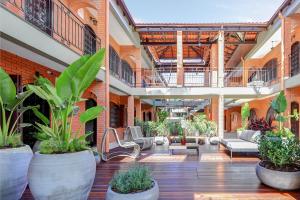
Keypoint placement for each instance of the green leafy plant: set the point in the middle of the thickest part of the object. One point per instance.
(162, 128)
(57, 135)
(10, 102)
(190, 127)
(245, 112)
(211, 128)
(162, 115)
(136, 179)
(200, 123)
(279, 105)
(280, 153)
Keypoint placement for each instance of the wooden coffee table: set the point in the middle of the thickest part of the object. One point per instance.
(178, 146)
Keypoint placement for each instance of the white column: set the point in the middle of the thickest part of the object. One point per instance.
(221, 84)
(180, 72)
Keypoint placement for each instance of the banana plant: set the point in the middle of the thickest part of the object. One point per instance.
(10, 102)
(62, 99)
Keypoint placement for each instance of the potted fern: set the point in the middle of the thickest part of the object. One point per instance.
(134, 184)
(280, 152)
(65, 167)
(14, 156)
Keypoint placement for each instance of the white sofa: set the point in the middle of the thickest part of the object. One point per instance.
(247, 142)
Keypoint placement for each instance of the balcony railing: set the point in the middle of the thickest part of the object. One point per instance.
(55, 19)
(205, 77)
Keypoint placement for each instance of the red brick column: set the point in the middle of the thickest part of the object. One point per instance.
(138, 108)
(130, 111)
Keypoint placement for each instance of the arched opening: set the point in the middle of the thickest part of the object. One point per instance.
(295, 58)
(89, 40)
(91, 126)
(295, 122)
(30, 117)
(270, 70)
(39, 13)
(149, 116)
(270, 117)
(253, 115)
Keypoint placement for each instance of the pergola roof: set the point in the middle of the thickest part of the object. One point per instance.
(196, 44)
(159, 39)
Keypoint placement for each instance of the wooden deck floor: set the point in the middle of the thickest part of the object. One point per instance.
(209, 176)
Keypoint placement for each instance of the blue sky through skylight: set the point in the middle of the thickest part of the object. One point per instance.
(202, 11)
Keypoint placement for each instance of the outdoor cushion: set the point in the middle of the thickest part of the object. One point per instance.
(226, 141)
(243, 146)
(249, 135)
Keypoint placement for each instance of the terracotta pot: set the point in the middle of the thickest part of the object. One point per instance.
(183, 141)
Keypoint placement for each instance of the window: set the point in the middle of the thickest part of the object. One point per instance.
(117, 115)
(89, 40)
(127, 73)
(270, 70)
(295, 59)
(114, 62)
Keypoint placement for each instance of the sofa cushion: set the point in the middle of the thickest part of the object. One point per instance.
(226, 141)
(242, 146)
(249, 135)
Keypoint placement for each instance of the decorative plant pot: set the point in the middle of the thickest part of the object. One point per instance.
(183, 141)
(278, 179)
(62, 176)
(14, 164)
(159, 140)
(151, 194)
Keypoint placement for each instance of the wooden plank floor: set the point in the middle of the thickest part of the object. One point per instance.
(184, 175)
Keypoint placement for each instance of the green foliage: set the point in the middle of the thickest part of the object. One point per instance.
(162, 115)
(190, 127)
(279, 151)
(162, 128)
(211, 128)
(245, 112)
(10, 101)
(58, 137)
(136, 179)
(200, 122)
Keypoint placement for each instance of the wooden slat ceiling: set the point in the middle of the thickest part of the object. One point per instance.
(196, 45)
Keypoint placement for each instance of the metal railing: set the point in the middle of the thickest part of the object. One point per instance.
(56, 20)
(206, 77)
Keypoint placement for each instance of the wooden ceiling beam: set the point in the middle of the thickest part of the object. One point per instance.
(166, 43)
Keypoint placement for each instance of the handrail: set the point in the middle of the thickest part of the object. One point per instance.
(55, 19)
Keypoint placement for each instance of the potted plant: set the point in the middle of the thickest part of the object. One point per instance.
(14, 156)
(181, 135)
(65, 167)
(134, 184)
(280, 152)
(245, 112)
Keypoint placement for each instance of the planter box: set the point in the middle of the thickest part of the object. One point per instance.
(278, 179)
(62, 176)
(14, 164)
(151, 194)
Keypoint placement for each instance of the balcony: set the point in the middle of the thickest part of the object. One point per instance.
(206, 77)
(53, 18)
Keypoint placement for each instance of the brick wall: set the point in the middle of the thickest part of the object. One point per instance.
(16, 65)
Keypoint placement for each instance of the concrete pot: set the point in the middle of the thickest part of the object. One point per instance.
(152, 194)
(278, 179)
(62, 176)
(14, 164)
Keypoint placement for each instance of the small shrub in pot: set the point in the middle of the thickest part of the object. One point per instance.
(135, 184)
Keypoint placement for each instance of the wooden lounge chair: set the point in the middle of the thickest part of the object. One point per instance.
(124, 145)
(134, 133)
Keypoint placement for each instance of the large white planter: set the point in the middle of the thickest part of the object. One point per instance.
(278, 179)
(62, 176)
(14, 163)
(151, 194)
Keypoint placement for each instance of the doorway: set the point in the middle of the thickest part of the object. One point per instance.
(91, 126)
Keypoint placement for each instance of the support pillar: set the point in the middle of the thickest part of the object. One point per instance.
(102, 31)
(221, 116)
(221, 84)
(130, 111)
(180, 70)
(214, 65)
(138, 109)
(245, 73)
(221, 59)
